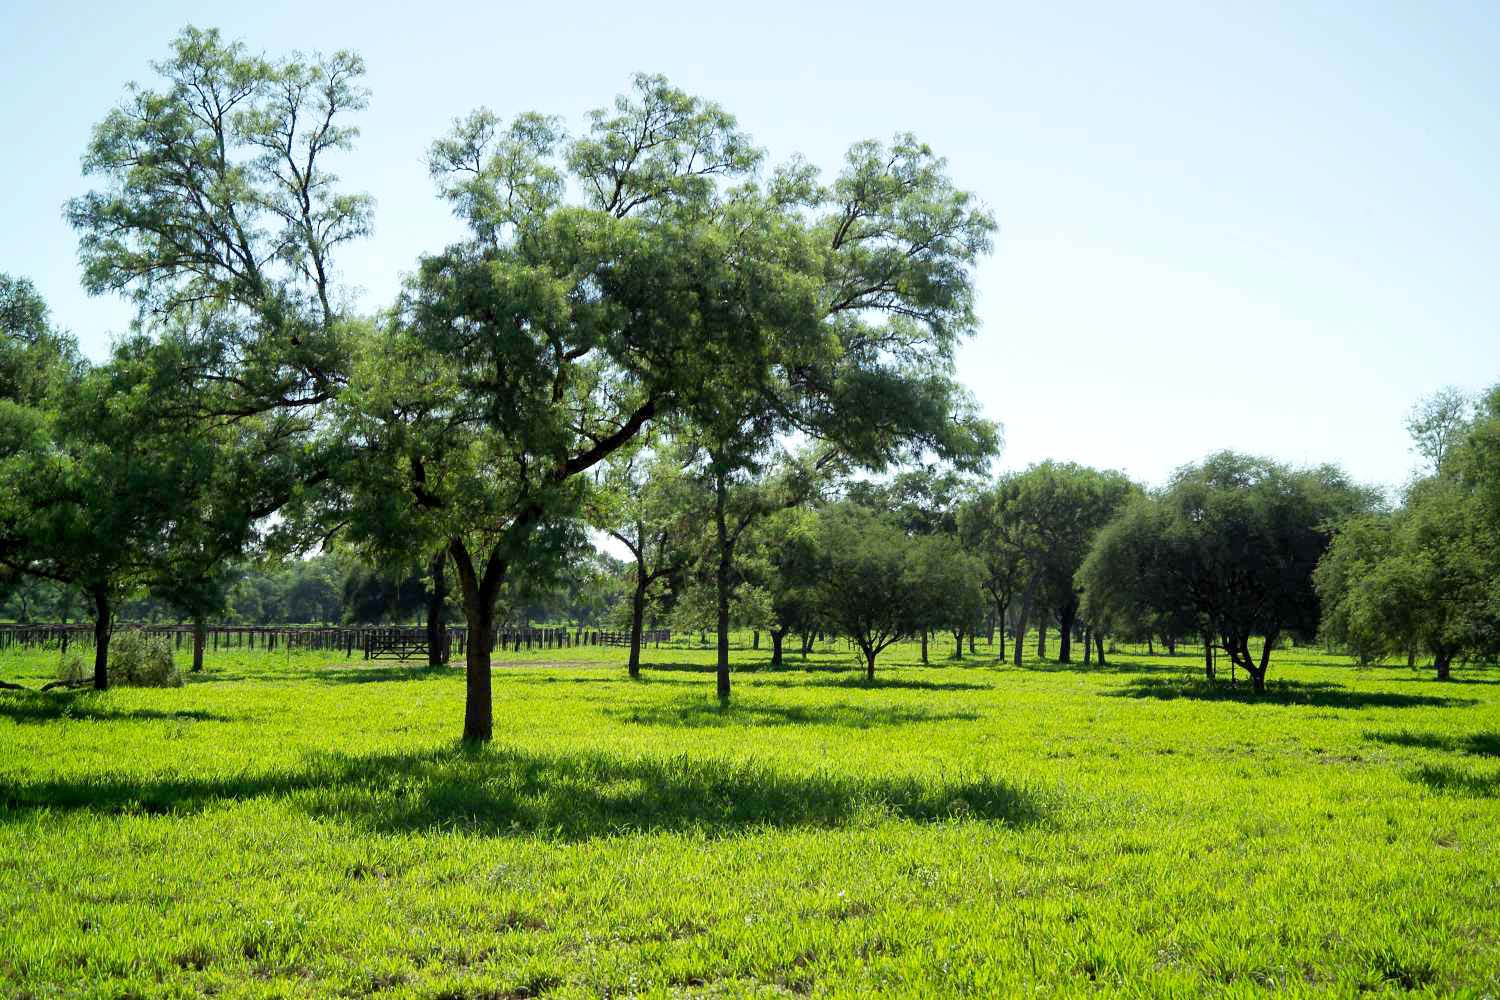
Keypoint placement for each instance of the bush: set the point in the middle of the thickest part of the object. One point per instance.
(72, 670)
(139, 660)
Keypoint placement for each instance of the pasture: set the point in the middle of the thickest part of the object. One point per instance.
(287, 826)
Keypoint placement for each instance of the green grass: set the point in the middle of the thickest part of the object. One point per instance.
(284, 826)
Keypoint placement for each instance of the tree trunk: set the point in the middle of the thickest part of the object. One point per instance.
(637, 619)
(1088, 646)
(101, 639)
(1041, 639)
(200, 637)
(1442, 662)
(437, 626)
(958, 644)
(1066, 616)
(721, 580)
(924, 645)
(1411, 657)
(870, 664)
(777, 635)
(1150, 649)
(1208, 658)
(479, 724)
(1099, 646)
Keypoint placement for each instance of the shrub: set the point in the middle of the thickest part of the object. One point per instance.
(71, 668)
(139, 660)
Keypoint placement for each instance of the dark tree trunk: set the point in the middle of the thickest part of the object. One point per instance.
(1411, 657)
(777, 635)
(1442, 663)
(102, 622)
(1041, 639)
(958, 644)
(1088, 647)
(1150, 649)
(200, 637)
(870, 664)
(721, 581)
(479, 594)
(437, 600)
(924, 645)
(1208, 658)
(1099, 647)
(1066, 616)
(637, 619)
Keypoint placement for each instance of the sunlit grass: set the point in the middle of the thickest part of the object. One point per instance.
(287, 826)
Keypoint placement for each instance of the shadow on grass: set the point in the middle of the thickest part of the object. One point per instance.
(1475, 744)
(705, 714)
(1453, 780)
(1280, 692)
(856, 682)
(51, 707)
(1117, 666)
(496, 791)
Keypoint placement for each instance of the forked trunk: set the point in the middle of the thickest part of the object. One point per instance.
(870, 663)
(777, 635)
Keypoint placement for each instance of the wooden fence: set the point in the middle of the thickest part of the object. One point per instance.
(371, 641)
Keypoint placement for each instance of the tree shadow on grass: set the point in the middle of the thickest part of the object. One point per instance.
(1475, 744)
(856, 682)
(1452, 780)
(705, 714)
(570, 797)
(50, 707)
(1318, 694)
(1111, 667)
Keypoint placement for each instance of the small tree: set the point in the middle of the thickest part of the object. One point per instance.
(865, 584)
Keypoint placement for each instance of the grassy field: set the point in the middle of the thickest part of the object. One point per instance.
(287, 826)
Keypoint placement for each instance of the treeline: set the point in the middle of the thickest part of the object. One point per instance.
(337, 588)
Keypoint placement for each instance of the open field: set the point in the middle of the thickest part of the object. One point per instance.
(286, 827)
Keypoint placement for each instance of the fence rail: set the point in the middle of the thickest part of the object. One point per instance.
(371, 641)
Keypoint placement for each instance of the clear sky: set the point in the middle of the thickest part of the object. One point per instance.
(1256, 226)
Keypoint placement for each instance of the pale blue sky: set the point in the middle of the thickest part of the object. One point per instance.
(1259, 226)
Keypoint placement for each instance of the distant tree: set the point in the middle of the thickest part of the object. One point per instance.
(993, 532)
(1058, 509)
(1421, 578)
(865, 587)
(1237, 539)
(943, 587)
(1436, 422)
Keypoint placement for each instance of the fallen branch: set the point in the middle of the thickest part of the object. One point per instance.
(71, 685)
(8, 686)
